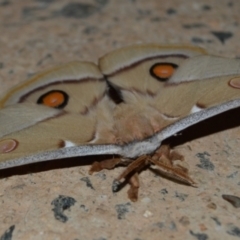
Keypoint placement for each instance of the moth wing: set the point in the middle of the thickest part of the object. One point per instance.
(56, 110)
(160, 88)
(12, 119)
(207, 67)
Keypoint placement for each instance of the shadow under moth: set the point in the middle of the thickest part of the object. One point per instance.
(125, 106)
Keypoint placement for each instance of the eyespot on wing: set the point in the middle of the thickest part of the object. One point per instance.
(55, 99)
(162, 71)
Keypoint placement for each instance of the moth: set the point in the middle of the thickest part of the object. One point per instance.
(124, 107)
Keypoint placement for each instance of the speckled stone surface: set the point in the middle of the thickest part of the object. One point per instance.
(59, 200)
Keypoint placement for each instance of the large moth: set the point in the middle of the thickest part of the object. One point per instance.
(125, 106)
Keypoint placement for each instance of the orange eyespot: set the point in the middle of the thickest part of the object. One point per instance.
(54, 99)
(8, 145)
(163, 71)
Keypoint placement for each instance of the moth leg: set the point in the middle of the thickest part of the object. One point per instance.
(134, 186)
(105, 164)
(169, 153)
(174, 157)
(135, 166)
(164, 163)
